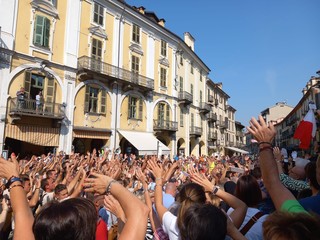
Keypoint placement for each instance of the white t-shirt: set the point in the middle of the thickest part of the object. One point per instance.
(255, 232)
(170, 226)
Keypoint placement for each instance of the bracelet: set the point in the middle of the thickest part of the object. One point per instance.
(265, 148)
(108, 189)
(17, 185)
(264, 143)
(12, 180)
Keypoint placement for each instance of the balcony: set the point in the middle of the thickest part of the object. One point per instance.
(165, 125)
(27, 107)
(204, 107)
(185, 98)
(212, 117)
(90, 65)
(195, 131)
(213, 135)
(223, 124)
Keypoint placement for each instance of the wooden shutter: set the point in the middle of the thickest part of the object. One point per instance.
(46, 31)
(27, 83)
(140, 108)
(103, 101)
(167, 112)
(38, 30)
(87, 99)
(49, 95)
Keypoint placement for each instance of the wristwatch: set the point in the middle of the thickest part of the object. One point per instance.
(215, 190)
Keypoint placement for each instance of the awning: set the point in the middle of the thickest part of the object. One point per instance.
(92, 133)
(36, 135)
(237, 150)
(145, 143)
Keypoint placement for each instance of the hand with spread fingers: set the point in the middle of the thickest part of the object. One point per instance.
(277, 153)
(200, 179)
(97, 183)
(8, 169)
(155, 168)
(261, 131)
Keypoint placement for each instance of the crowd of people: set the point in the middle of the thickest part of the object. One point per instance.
(109, 195)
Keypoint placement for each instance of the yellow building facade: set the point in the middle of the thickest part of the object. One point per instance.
(111, 76)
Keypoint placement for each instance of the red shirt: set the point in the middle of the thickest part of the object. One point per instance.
(102, 230)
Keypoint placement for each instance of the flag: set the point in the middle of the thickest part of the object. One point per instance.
(306, 130)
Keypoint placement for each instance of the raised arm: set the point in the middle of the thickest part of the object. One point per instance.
(23, 216)
(265, 134)
(135, 211)
(240, 208)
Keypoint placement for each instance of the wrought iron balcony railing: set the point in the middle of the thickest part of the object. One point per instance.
(29, 107)
(212, 116)
(213, 135)
(204, 107)
(165, 125)
(92, 64)
(185, 97)
(196, 131)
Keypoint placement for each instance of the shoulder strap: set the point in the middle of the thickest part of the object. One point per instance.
(250, 223)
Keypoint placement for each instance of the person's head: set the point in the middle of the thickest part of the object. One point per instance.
(51, 174)
(171, 189)
(73, 219)
(61, 192)
(230, 187)
(189, 195)
(248, 190)
(47, 184)
(25, 182)
(297, 173)
(311, 175)
(204, 221)
(256, 172)
(282, 225)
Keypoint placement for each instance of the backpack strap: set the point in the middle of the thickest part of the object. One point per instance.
(250, 223)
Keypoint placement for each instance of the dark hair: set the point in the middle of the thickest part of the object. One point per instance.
(72, 219)
(291, 226)
(202, 222)
(248, 190)
(311, 174)
(24, 177)
(256, 172)
(60, 187)
(189, 195)
(44, 183)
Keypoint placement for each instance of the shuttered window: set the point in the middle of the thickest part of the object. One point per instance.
(135, 108)
(41, 31)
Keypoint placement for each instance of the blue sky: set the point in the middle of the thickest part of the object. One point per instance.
(263, 51)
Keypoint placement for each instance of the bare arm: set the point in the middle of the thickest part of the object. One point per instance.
(23, 216)
(135, 211)
(264, 133)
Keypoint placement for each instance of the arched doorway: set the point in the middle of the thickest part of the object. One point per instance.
(181, 145)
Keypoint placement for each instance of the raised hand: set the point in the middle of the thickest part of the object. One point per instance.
(98, 183)
(261, 131)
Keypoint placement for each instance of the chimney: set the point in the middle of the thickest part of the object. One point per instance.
(161, 22)
(141, 9)
(189, 40)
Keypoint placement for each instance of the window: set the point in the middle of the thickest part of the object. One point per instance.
(92, 102)
(191, 90)
(181, 84)
(200, 96)
(96, 49)
(163, 77)
(181, 60)
(135, 108)
(181, 117)
(192, 119)
(98, 14)
(191, 68)
(41, 31)
(135, 64)
(201, 76)
(163, 48)
(136, 33)
(163, 113)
